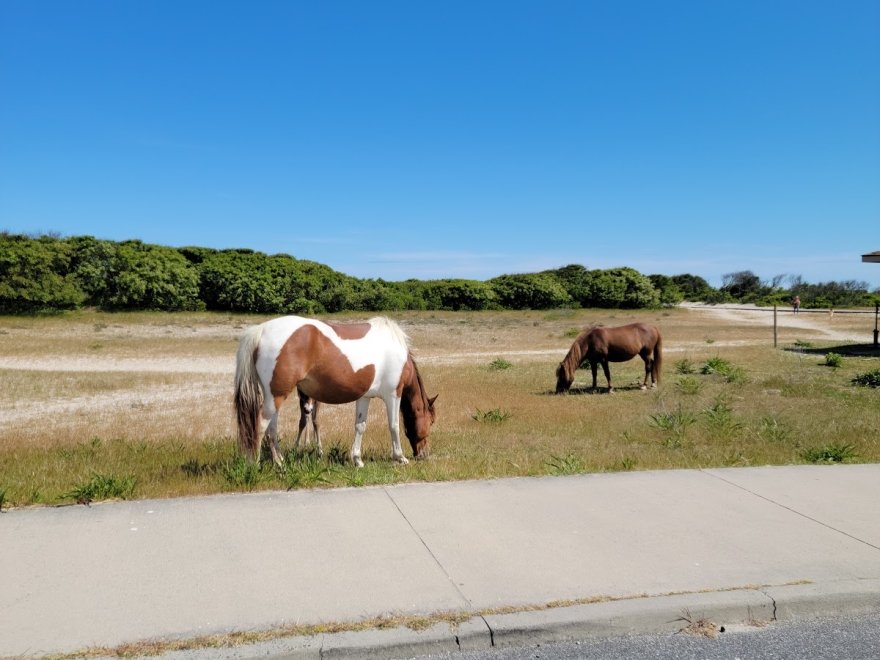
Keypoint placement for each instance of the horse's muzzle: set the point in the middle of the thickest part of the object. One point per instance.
(420, 449)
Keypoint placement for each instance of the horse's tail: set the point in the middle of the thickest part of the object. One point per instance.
(248, 393)
(658, 359)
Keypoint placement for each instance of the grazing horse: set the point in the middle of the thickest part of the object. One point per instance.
(604, 345)
(308, 416)
(330, 363)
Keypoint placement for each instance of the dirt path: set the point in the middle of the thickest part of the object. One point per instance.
(223, 367)
(821, 322)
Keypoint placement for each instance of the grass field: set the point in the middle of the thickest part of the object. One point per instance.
(96, 406)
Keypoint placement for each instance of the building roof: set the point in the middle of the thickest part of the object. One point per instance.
(871, 257)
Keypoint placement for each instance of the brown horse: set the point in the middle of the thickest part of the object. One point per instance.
(604, 345)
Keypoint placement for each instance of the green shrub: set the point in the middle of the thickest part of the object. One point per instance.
(833, 360)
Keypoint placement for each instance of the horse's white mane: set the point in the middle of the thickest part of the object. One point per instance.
(393, 329)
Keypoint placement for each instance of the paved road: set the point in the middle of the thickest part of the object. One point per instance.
(822, 638)
(729, 545)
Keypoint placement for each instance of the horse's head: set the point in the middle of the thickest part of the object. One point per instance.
(418, 427)
(563, 380)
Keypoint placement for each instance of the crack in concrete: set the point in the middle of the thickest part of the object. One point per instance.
(788, 508)
(430, 552)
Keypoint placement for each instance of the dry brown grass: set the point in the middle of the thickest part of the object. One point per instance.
(149, 396)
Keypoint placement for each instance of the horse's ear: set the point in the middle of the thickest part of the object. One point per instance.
(432, 400)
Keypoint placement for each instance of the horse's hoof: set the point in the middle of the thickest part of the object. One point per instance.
(643, 387)
(358, 463)
(403, 460)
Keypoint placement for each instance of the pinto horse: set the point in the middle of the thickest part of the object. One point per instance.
(329, 363)
(619, 344)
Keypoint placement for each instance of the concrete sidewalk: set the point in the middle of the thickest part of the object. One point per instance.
(731, 545)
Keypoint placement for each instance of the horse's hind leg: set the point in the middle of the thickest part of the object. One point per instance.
(649, 365)
(314, 419)
(305, 413)
(272, 439)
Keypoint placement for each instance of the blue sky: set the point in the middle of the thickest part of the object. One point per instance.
(453, 138)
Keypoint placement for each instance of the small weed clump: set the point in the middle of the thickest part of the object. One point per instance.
(721, 367)
(674, 424)
(102, 487)
(719, 418)
(716, 365)
(499, 364)
(685, 366)
(494, 415)
(569, 464)
(869, 379)
(689, 385)
(833, 453)
(306, 470)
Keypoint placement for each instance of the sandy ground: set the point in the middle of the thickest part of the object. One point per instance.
(214, 374)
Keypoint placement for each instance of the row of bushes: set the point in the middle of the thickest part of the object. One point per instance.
(52, 273)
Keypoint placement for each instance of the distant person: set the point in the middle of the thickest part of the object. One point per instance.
(796, 304)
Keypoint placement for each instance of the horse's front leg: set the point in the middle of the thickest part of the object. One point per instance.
(594, 367)
(362, 407)
(392, 404)
(607, 371)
